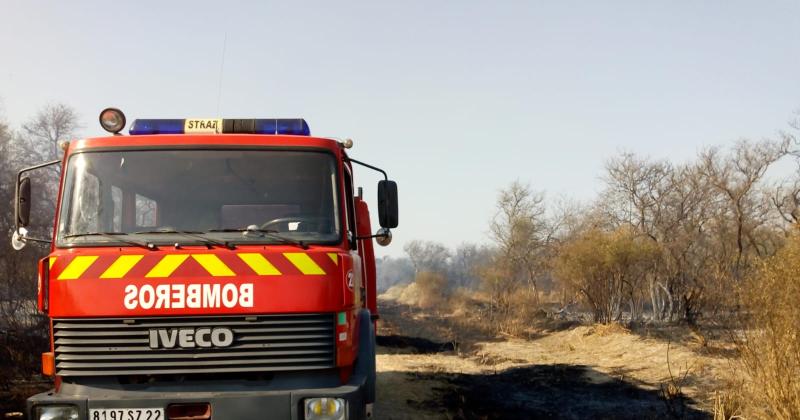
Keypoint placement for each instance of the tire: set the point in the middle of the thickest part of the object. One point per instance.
(366, 355)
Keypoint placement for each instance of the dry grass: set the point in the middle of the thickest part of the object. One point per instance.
(770, 343)
(727, 406)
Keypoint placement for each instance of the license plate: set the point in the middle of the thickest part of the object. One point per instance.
(126, 414)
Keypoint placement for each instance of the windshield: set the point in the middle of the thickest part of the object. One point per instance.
(254, 196)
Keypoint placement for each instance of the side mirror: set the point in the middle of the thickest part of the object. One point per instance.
(387, 204)
(383, 237)
(24, 202)
(19, 239)
(22, 208)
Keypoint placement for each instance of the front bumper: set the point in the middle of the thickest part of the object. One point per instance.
(234, 404)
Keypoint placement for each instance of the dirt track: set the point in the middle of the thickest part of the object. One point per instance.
(426, 370)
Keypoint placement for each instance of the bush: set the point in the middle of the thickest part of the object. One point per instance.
(607, 269)
(771, 345)
(432, 289)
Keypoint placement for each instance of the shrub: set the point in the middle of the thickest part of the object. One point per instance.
(607, 268)
(771, 345)
(432, 289)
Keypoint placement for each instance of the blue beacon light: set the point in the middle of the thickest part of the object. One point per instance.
(158, 126)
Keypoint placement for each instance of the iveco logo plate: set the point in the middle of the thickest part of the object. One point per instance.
(189, 338)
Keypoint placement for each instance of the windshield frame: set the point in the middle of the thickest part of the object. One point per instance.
(167, 239)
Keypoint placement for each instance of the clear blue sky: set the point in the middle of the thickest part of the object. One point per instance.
(455, 99)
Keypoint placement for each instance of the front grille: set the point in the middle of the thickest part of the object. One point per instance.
(264, 343)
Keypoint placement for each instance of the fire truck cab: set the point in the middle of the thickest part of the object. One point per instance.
(208, 269)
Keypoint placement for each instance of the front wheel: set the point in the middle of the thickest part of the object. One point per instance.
(366, 355)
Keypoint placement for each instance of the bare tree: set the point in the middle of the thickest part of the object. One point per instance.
(518, 229)
(466, 262)
(39, 141)
(636, 188)
(51, 125)
(427, 256)
(785, 196)
(736, 176)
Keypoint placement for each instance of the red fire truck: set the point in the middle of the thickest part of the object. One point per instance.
(208, 268)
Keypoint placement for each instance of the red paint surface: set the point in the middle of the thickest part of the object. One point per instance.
(292, 291)
(367, 255)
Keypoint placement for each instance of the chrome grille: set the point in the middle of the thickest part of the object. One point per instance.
(106, 347)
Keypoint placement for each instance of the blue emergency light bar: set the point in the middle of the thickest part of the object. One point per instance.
(286, 126)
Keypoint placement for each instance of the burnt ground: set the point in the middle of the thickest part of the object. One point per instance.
(415, 344)
(553, 391)
(427, 378)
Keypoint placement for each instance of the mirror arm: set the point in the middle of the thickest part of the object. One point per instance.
(16, 194)
(377, 235)
(44, 241)
(39, 166)
(374, 168)
(386, 203)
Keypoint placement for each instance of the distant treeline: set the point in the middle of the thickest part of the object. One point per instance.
(663, 241)
(460, 266)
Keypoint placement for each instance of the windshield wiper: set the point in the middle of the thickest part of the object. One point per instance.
(115, 236)
(266, 232)
(208, 242)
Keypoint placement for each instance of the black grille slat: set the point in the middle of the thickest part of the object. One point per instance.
(99, 333)
(71, 324)
(162, 355)
(87, 372)
(101, 340)
(283, 337)
(108, 347)
(117, 349)
(270, 330)
(172, 363)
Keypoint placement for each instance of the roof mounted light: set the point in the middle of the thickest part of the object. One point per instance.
(284, 126)
(159, 126)
(112, 120)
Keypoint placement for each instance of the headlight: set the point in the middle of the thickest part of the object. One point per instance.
(325, 408)
(56, 412)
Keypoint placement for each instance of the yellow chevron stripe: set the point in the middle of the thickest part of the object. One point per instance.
(51, 261)
(213, 265)
(259, 264)
(334, 257)
(77, 267)
(167, 265)
(303, 262)
(121, 266)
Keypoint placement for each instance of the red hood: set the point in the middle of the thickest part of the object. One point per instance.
(119, 282)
